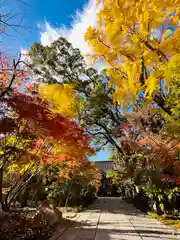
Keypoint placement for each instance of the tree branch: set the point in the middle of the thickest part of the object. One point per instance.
(109, 138)
(15, 65)
(104, 144)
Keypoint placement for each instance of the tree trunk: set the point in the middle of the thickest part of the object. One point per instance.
(3, 204)
(1, 186)
(68, 196)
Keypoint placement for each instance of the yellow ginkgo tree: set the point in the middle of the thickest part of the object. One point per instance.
(61, 97)
(136, 40)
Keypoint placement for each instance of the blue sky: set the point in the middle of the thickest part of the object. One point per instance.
(36, 12)
(45, 21)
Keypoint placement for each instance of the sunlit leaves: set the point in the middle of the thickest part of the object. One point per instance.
(128, 31)
(172, 76)
(50, 130)
(172, 72)
(62, 98)
(151, 85)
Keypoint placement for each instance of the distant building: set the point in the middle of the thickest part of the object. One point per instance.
(106, 187)
(105, 166)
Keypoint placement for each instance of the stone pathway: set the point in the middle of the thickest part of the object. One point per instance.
(113, 219)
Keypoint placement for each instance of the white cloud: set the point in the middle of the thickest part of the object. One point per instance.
(74, 34)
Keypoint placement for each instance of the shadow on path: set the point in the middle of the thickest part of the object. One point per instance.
(113, 219)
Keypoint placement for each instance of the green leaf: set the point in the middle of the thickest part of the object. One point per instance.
(1, 152)
(161, 206)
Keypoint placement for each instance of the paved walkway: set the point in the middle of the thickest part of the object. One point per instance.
(113, 219)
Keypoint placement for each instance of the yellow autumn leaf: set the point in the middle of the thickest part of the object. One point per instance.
(62, 98)
(132, 29)
(151, 85)
(172, 71)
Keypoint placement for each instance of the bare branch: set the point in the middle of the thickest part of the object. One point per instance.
(7, 89)
(103, 145)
